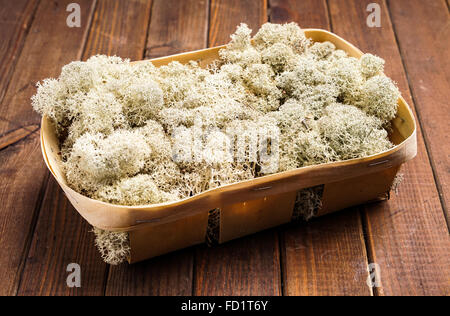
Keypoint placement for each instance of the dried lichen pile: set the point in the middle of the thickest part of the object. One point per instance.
(125, 129)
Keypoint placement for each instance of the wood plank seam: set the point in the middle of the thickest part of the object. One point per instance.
(208, 25)
(282, 260)
(419, 120)
(85, 37)
(370, 254)
(146, 45)
(105, 280)
(330, 20)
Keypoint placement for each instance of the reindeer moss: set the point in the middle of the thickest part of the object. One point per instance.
(126, 129)
(114, 247)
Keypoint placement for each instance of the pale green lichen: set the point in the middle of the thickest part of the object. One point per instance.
(371, 65)
(351, 133)
(379, 97)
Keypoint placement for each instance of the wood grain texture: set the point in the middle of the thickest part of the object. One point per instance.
(177, 26)
(21, 189)
(247, 266)
(307, 13)
(170, 274)
(328, 256)
(16, 135)
(166, 275)
(408, 235)
(119, 28)
(226, 15)
(15, 20)
(49, 45)
(61, 237)
(426, 54)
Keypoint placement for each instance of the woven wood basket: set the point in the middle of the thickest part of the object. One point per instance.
(249, 206)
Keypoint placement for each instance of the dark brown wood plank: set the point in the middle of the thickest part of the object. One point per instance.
(166, 275)
(15, 20)
(62, 236)
(49, 45)
(246, 266)
(23, 175)
(226, 15)
(328, 255)
(177, 26)
(407, 236)
(170, 274)
(308, 14)
(250, 265)
(16, 135)
(426, 53)
(119, 28)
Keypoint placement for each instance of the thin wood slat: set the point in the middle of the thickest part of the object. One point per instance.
(170, 274)
(407, 236)
(62, 236)
(327, 256)
(23, 173)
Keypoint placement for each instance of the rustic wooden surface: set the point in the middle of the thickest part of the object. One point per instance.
(407, 237)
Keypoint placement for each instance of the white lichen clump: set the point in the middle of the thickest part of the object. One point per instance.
(114, 247)
(129, 133)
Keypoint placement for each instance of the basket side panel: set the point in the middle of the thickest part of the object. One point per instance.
(342, 194)
(240, 219)
(155, 240)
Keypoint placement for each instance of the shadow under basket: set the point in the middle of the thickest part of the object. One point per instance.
(243, 208)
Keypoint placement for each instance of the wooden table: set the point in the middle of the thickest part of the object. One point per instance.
(407, 237)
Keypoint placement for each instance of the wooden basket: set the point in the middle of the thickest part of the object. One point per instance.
(249, 206)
